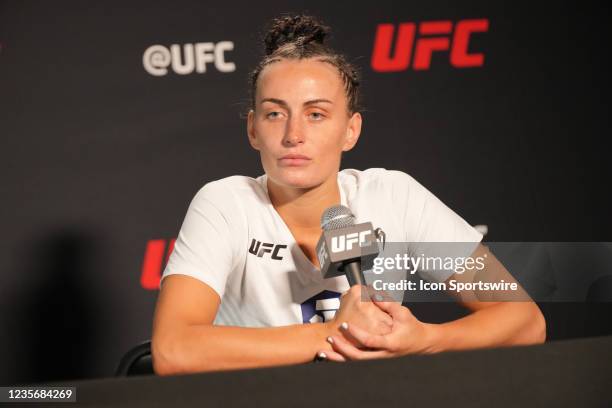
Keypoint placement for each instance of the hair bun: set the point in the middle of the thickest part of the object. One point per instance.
(290, 28)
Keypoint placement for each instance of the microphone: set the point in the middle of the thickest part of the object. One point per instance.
(345, 247)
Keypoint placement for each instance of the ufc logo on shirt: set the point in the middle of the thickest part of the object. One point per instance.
(261, 248)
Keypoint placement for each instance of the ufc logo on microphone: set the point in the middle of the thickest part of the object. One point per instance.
(433, 36)
(260, 248)
(345, 242)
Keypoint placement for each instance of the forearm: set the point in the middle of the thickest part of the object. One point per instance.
(502, 324)
(197, 348)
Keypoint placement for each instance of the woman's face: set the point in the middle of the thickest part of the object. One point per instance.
(300, 124)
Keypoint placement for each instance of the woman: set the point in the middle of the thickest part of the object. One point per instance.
(243, 278)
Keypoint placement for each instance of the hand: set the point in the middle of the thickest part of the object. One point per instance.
(408, 335)
(360, 312)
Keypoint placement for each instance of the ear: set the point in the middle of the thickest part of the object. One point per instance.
(251, 130)
(352, 132)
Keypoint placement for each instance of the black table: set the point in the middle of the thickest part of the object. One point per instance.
(572, 373)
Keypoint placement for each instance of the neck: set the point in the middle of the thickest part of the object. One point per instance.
(302, 208)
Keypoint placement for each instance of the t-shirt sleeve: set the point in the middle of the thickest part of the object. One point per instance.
(426, 219)
(204, 248)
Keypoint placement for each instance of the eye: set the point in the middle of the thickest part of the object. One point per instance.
(272, 115)
(316, 115)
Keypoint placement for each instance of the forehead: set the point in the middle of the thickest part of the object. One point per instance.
(304, 79)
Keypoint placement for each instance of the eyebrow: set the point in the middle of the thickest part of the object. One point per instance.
(283, 103)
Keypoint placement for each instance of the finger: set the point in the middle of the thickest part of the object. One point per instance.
(379, 295)
(387, 320)
(370, 292)
(353, 353)
(391, 307)
(333, 356)
(365, 338)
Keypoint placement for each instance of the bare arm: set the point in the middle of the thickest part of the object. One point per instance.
(185, 340)
(502, 324)
(498, 319)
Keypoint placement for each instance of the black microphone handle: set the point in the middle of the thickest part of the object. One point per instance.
(353, 273)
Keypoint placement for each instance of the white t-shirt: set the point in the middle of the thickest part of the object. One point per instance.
(234, 240)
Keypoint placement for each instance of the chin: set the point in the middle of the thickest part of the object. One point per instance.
(296, 178)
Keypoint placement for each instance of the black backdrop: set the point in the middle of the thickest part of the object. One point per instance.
(99, 157)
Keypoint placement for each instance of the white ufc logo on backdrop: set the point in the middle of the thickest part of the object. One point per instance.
(187, 58)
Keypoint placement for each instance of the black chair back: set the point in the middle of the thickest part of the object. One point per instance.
(137, 361)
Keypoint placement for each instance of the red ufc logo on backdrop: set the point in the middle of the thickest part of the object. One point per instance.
(433, 36)
(154, 261)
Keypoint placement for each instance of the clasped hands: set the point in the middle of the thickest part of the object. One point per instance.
(371, 325)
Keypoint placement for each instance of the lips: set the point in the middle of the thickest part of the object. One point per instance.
(294, 160)
(295, 156)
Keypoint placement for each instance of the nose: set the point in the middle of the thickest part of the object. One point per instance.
(294, 132)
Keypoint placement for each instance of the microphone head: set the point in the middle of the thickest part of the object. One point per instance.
(338, 216)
